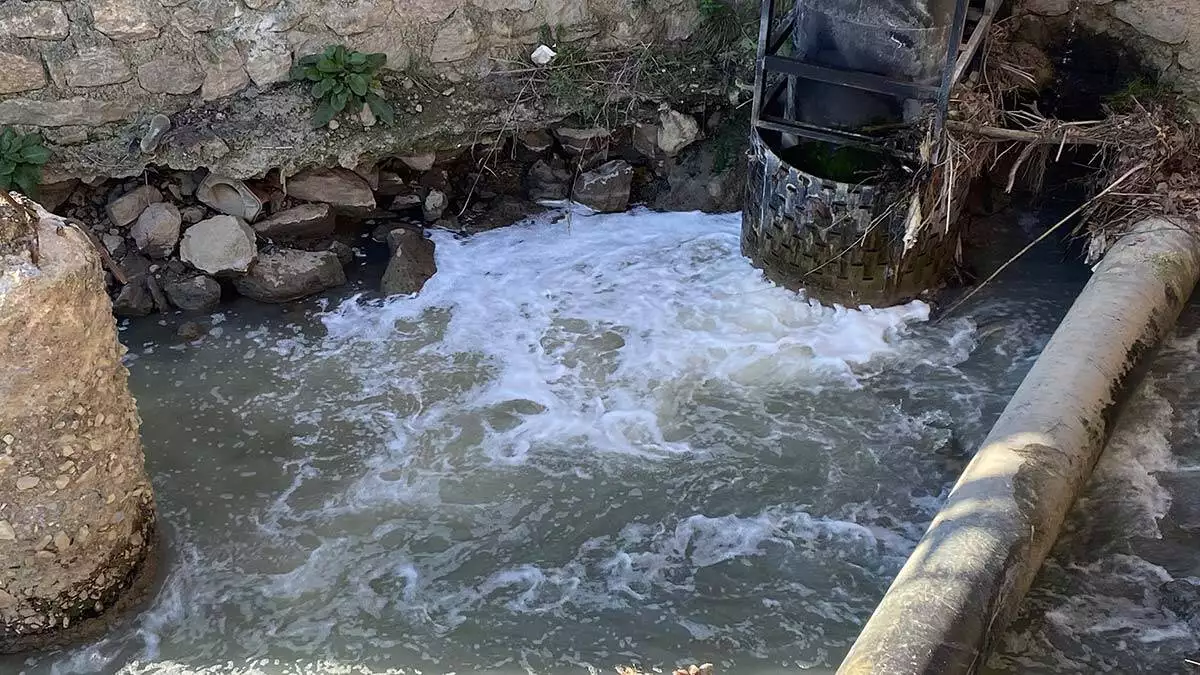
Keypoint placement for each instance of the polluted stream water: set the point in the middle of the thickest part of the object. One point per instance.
(588, 442)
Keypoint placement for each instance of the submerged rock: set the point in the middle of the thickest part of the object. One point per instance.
(605, 188)
(412, 262)
(198, 294)
(288, 274)
(157, 230)
(307, 221)
(219, 245)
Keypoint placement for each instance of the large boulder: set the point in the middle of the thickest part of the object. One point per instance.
(200, 293)
(605, 188)
(219, 245)
(342, 188)
(287, 274)
(125, 209)
(157, 230)
(307, 221)
(412, 262)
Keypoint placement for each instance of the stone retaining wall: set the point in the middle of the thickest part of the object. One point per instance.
(1166, 33)
(78, 69)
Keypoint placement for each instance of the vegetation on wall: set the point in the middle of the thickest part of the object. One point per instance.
(21, 160)
(343, 81)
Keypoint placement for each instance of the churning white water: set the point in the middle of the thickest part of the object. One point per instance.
(588, 442)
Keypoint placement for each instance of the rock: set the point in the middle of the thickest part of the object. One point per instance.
(579, 141)
(191, 331)
(1048, 7)
(1155, 20)
(198, 294)
(159, 125)
(1182, 597)
(605, 188)
(193, 214)
(126, 20)
(422, 162)
(676, 131)
(456, 39)
(356, 16)
(542, 55)
(157, 230)
(38, 20)
(434, 205)
(62, 112)
(537, 141)
(53, 195)
(134, 264)
(219, 245)
(343, 251)
(6, 531)
(267, 64)
(225, 72)
(19, 73)
(229, 196)
(170, 75)
(402, 202)
(125, 209)
(285, 274)
(113, 243)
(307, 221)
(133, 300)
(548, 180)
(411, 265)
(366, 117)
(340, 187)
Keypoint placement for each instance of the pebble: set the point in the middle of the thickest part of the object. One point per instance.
(7, 533)
(27, 482)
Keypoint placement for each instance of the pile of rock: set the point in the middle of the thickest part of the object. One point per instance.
(186, 239)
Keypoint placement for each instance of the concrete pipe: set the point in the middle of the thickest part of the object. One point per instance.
(964, 582)
(77, 516)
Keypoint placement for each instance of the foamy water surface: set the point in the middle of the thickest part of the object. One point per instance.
(584, 444)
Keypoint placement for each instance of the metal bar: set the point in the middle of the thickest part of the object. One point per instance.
(765, 10)
(848, 78)
(952, 47)
(781, 34)
(789, 103)
(977, 36)
(836, 136)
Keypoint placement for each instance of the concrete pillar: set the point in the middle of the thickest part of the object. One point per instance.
(964, 582)
(77, 516)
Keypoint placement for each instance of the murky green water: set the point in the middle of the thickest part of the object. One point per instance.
(580, 447)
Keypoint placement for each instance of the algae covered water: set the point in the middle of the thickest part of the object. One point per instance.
(588, 442)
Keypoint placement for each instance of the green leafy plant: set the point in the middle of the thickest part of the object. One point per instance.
(21, 160)
(343, 81)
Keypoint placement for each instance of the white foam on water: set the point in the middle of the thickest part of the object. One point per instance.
(428, 435)
(603, 321)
